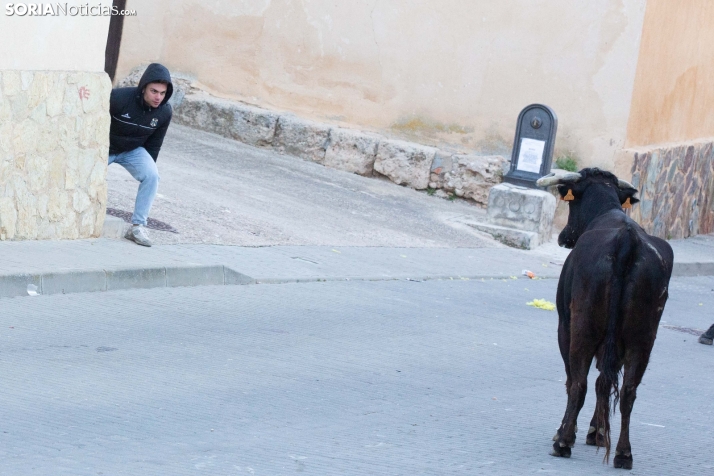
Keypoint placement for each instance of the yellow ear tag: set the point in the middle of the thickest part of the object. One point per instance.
(569, 196)
(627, 203)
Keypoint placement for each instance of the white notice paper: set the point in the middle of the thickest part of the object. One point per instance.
(530, 157)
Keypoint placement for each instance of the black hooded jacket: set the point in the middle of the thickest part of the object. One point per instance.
(135, 123)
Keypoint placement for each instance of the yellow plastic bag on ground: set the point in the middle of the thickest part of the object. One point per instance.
(542, 304)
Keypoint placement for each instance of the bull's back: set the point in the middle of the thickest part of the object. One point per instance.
(657, 255)
(597, 250)
(646, 291)
(644, 273)
(591, 265)
(594, 255)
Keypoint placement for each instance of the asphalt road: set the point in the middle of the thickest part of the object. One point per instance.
(388, 378)
(219, 191)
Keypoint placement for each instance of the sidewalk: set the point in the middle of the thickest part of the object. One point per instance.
(104, 264)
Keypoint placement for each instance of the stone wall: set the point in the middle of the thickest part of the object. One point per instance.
(676, 185)
(54, 140)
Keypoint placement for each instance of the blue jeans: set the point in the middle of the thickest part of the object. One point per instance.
(143, 168)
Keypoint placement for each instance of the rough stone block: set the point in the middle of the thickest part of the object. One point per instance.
(253, 126)
(522, 209)
(203, 112)
(93, 96)
(5, 111)
(55, 99)
(86, 224)
(441, 165)
(247, 124)
(301, 138)
(405, 163)
(132, 79)
(472, 176)
(182, 86)
(8, 218)
(11, 83)
(114, 227)
(352, 151)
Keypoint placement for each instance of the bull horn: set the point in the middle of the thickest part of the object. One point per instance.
(624, 185)
(555, 179)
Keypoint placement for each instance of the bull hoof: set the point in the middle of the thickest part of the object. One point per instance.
(595, 440)
(556, 437)
(560, 451)
(622, 461)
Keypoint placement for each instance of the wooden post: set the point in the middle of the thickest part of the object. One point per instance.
(111, 53)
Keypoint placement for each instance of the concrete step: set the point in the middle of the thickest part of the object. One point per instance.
(114, 227)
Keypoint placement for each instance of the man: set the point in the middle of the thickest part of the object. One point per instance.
(140, 118)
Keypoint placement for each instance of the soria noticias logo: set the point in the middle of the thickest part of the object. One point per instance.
(64, 9)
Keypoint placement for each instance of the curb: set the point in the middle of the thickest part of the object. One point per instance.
(693, 269)
(67, 282)
(14, 285)
(397, 278)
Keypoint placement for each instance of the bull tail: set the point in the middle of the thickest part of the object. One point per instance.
(609, 385)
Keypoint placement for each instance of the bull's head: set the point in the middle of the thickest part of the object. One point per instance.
(590, 193)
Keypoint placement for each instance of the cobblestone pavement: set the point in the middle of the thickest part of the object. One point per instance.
(218, 191)
(388, 378)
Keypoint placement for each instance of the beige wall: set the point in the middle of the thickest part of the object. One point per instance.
(45, 43)
(674, 85)
(435, 71)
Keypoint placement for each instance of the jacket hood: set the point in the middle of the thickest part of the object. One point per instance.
(157, 72)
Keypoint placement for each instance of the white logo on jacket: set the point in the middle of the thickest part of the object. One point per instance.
(126, 115)
(154, 121)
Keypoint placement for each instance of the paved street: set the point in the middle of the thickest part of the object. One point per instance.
(283, 317)
(395, 377)
(380, 374)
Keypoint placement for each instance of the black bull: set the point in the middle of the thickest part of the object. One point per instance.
(610, 299)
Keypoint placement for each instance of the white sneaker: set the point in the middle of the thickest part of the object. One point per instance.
(138, 235)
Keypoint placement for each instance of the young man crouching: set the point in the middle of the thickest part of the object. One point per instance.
(140, 118)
